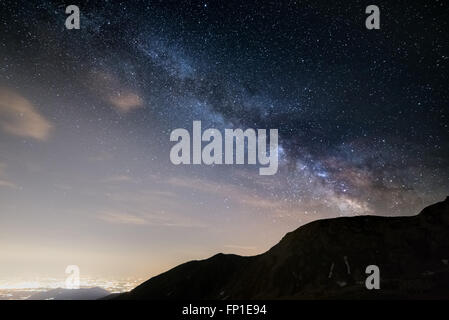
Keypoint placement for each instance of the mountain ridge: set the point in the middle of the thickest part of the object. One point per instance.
(324, 259)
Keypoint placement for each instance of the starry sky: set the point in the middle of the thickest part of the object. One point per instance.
(86, 116)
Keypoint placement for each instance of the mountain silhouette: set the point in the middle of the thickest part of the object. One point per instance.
(325, 259)
(71, 294)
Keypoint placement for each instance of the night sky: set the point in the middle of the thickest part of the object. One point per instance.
(86, 116)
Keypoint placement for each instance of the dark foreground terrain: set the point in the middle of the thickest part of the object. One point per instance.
(71, 294)
(325, 259)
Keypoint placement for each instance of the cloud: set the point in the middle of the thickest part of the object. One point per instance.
(100, 156)
(5, 182)
(237, 194)
(322, 203)
(8, 184)
(119, 178)
(114, 92)
(122, 218)
(150, 219)
(232, 246)
(125, 101)
(19, 117)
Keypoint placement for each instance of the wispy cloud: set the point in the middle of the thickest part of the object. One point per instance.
(125, 101)
(3, 181)
(111, 90)
(237, 194)
(330, 202)
(19, 117)
(120, 178)
(8, 184)
(100, 156)
(232, 246)
(122, 218)
(150, 219)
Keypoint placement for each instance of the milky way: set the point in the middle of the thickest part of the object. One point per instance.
(362, 115)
